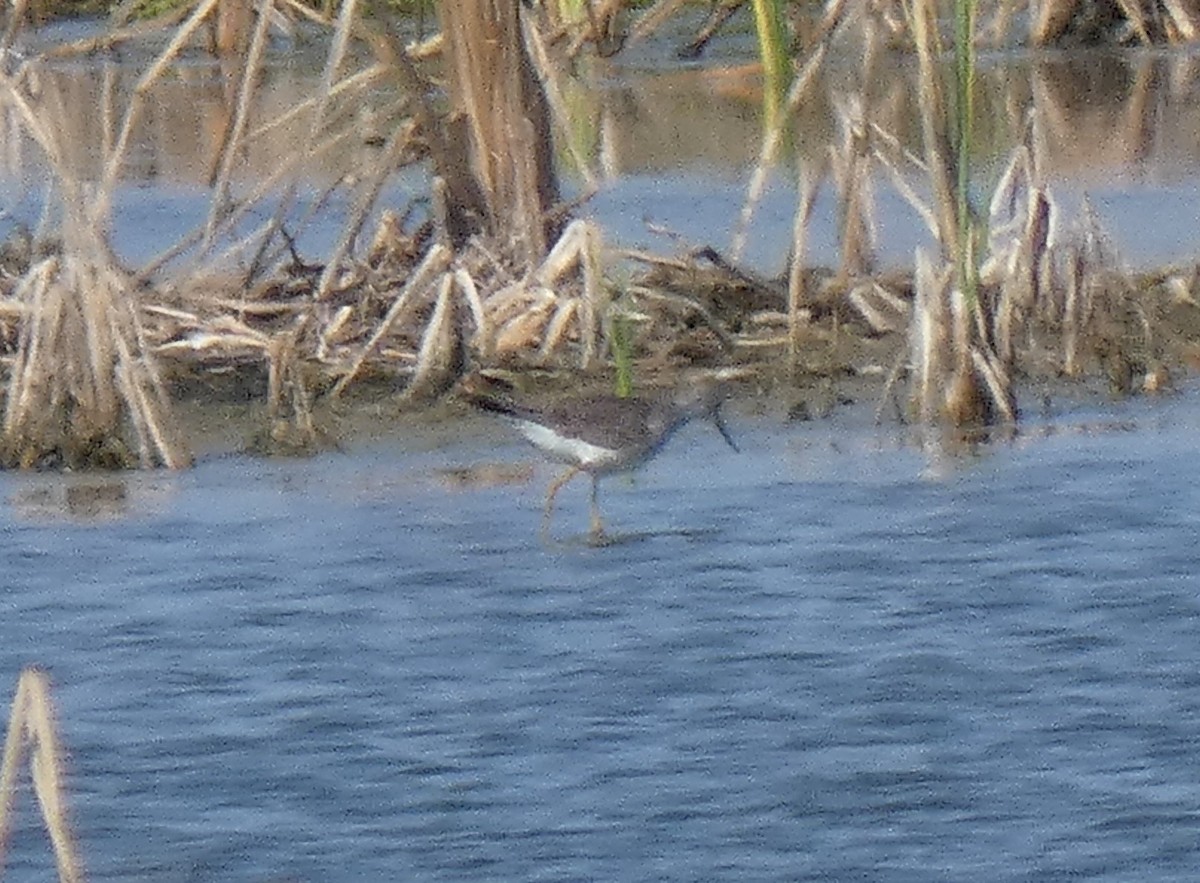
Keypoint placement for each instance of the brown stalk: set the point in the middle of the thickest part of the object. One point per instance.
(578, 247)
(495, 150)
(963, 403)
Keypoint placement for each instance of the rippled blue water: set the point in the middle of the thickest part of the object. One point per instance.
(822, 659)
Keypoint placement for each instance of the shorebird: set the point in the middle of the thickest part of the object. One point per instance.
(601, 434)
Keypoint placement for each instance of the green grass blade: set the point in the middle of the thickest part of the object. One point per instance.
(772, 51)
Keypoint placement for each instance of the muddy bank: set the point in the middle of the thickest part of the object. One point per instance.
(690, 316)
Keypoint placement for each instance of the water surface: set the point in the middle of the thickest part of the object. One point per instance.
(826, 658)
(663, 140)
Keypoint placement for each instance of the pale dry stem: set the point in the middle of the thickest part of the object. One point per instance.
(436, 261)
(801, 86)
(31, 724)
(435, 366)
(81, 364)
(806, 195)
(251, 69)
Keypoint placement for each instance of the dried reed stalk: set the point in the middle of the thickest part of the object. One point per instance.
(806, 195)
(1073, 311)
(772, 139)
(929, 336)
(496, 154)
(32, 728)
(438, 356)
(850, 168)
(436, 261)
(960, 378)
(102, 207)
(251, 69)
(289, 402)
(81, 371)
(578, 247)
(939, 159)
(481, 340)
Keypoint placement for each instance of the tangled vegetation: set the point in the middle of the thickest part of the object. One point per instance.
(493, 270)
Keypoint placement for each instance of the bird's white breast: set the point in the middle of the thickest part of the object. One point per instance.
(569, 450)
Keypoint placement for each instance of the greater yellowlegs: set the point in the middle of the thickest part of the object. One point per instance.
(599, 434)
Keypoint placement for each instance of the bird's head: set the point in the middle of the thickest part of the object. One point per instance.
(702, 396)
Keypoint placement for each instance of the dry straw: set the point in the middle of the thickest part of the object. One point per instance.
(84, 389)
(33, 733)
(81, 372)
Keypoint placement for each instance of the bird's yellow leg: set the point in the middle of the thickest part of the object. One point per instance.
(555, 486)
(597, 522)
